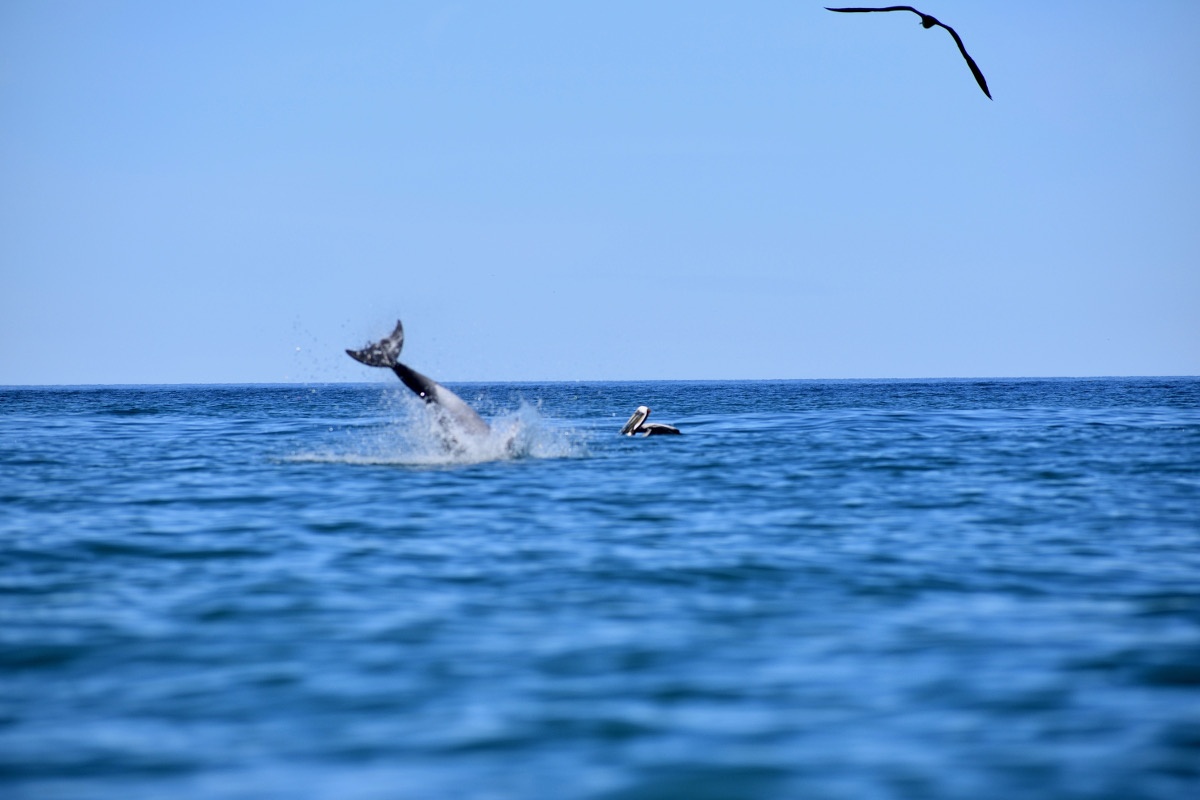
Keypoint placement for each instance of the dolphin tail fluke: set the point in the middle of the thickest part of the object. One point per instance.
(383, 353)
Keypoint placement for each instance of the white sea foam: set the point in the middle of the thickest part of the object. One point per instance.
(416, 434)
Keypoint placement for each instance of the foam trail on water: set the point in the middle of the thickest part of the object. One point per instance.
(416, 434)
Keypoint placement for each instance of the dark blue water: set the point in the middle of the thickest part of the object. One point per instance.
(929, 589)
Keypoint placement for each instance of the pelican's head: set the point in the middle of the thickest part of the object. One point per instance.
(635, 421)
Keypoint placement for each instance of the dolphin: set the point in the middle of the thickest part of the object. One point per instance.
(457, 416)
(637, 424)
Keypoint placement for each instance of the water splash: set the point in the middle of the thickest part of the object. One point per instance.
(415, 434)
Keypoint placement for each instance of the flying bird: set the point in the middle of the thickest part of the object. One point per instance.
(928, 22)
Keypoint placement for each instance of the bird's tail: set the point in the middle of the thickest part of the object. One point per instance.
(382, 353)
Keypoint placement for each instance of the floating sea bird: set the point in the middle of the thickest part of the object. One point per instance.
(637, 424)
(928, 22)
(458, 419)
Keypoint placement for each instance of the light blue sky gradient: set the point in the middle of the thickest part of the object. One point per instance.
(236, 191)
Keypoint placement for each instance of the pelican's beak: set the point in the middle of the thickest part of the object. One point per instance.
(635, 421)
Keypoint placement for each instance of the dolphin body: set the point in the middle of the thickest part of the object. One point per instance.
(457, 417)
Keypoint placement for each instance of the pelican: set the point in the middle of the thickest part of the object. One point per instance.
(637, 424)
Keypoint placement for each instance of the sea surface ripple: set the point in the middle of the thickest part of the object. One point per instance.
(845, 589)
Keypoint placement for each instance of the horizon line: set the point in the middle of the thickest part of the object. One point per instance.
(4, 387)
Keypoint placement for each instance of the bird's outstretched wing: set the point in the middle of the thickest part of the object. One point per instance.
(929, 22)
(889, 8)
(970, 61)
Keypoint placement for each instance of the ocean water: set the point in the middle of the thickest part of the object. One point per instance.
(851, 589)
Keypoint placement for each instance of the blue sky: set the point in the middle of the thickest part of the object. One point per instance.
(236, 191)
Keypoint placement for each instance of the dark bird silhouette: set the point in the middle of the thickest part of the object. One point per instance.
(928, 22)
